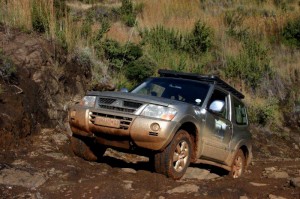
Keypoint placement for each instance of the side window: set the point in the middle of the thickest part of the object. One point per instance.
(218, 95)
(240, 113)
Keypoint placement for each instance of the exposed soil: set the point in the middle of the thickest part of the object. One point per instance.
(36, 160)
(43, 82)
(46, 168)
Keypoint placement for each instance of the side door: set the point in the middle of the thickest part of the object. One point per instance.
(218, 127)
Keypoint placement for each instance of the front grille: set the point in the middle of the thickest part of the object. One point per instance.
(106, 100)
(124, 121)
(126, 110)
(132, 104)
(119, 105)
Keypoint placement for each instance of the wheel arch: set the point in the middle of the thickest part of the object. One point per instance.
(192, 130)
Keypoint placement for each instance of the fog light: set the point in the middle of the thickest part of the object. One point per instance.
(155, 127)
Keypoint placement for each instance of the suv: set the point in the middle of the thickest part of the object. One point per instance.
(174, 119)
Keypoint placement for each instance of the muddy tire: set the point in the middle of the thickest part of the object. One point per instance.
(86, 148)
(238, 165)
(176, 157)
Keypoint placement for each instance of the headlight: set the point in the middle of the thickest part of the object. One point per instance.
(159, 112)
(88, 101)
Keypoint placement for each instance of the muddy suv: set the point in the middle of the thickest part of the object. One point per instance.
(174, 119)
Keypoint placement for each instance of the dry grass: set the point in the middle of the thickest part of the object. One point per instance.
(287, 63)
(121, 33)
(171, 13)
(12, 15)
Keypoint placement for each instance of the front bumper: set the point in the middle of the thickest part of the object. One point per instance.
(133, 131)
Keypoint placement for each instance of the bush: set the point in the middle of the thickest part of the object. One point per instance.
(86, 28)
(127, 12)
(161, 38)
(140, 69)
(119, 55)
(194, 43)
(251, 65)
(265, 112)
(291, 33)
(39, 16)
(105, 26)
(200, 39)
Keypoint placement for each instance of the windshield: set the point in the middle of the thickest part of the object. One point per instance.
(184, 90)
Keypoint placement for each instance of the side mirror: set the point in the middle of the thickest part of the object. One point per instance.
(124, 90)
(217, 106)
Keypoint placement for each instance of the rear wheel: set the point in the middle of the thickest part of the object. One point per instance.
(86, 148)
(176, 157)
(238, 165)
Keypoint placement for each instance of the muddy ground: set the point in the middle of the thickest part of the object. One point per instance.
(46, 168)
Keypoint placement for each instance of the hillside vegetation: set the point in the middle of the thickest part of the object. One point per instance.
(252, 44)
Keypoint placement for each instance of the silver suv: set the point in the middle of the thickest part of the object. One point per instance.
(174, 119)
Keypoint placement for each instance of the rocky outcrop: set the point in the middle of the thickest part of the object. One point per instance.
(46, 80)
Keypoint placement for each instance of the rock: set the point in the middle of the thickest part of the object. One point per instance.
(58, 156)
(189, 188)
(128, 170)
(22, 178)
(258, 184)
(271, 196)
(270, 169)
(196, 173)
(243, 197)
(128, 184)
(278, 174)
(295, 182)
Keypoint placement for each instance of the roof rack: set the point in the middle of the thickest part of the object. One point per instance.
(203, 78)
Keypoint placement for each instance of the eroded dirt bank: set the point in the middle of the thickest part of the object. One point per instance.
(38, 81)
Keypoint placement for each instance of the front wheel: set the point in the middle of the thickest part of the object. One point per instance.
(175, 159)
(238, 165)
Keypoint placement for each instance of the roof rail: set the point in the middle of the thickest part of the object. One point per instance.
(203, 78)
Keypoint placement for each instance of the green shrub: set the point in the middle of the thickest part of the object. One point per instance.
(86, 28)
(265, 113)
(39, 16)
(128, 12)
(200, 39)
(105, 26)
(194, 43)
(161, 38)
(119, 55)
(251, 65)
(291, 33)
(140, 69)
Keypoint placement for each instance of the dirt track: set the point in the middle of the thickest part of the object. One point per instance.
(45, 167)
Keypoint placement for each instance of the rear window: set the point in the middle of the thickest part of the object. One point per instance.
(240, 113)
